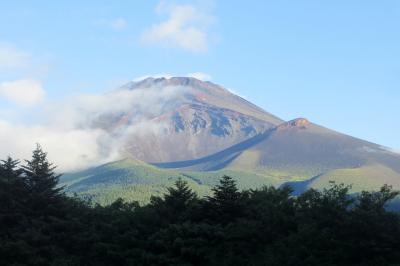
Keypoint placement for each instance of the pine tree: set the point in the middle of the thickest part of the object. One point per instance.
(41, 179)
(9, 172)
(12, 186)
(176, 202)
(226, 191)
(180, 195)
(226, 203)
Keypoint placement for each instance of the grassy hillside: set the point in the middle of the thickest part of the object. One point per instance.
(134, 180)
(368, 178)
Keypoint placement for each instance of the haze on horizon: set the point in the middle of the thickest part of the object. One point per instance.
(336, 64)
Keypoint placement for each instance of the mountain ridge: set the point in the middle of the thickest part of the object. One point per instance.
(207, 130)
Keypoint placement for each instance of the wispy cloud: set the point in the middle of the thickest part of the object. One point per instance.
(87, 129)
(70, 149)
(24, 92)
(198, 75)
(11, 57)
(186, 26)
(158, 75)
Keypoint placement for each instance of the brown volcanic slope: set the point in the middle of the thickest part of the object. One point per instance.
(202, 119)
(301, 150)
(208, 94)
(204, 131)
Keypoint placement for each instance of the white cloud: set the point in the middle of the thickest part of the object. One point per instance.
(72, 149)
(200, 75)
(24, 92)
(186, 27)
(86, 130)
(11, 57)
(137, 100)
(158, 75)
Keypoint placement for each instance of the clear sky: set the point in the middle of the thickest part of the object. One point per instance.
(336, 63)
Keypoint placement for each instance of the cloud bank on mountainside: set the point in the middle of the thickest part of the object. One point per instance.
(73, 133)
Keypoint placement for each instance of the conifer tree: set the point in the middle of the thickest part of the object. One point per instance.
(180, 195)
(226, 192)
(8, 170)
(226, 203)
(176, 202)
(12, 185)
(40, 176)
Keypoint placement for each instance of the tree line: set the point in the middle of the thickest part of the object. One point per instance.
(41, 225)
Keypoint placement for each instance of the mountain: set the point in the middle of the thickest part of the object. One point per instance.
(301, 151)
(205, 131)
(197, 119)
(296, 147)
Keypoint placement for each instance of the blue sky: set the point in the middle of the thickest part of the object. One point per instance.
(335, 62)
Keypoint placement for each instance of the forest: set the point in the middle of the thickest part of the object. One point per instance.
(42, 225)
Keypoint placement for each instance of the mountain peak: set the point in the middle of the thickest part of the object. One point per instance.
(189, 82)
(295, 123)
(182, 81)
(299, 122)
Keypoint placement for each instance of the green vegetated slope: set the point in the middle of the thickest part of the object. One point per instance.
(368, 178)
(134, 180)
(137, 181)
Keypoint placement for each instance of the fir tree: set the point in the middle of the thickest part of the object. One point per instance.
(180, 195)
(12, 186)
(9, 172)
(226, 192)
(226, 203)
(40, 176)
(176, 202)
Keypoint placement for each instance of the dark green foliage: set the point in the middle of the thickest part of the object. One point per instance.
(176, 203)
(39, 225)
(134, 180)
(11, 183)
(40, 176)
(227, 203)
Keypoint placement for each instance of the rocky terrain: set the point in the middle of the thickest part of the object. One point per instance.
(202, 131)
